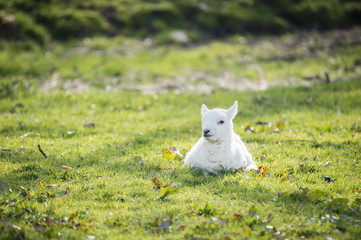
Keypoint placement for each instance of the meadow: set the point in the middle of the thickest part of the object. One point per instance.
(93, 134)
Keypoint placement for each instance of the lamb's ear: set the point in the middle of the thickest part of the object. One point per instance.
(232, 111)
(204, 109)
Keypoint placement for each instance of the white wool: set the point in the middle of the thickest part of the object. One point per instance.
(219, 148)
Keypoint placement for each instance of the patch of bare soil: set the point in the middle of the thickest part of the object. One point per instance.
(183, 85)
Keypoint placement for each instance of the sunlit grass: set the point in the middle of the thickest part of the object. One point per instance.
(103, 62)
(109, 194)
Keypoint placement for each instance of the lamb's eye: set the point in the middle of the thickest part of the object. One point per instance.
(220, 122)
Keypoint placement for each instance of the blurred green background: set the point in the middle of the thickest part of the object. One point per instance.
(42, 21)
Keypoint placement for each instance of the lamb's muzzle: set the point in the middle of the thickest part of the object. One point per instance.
(205, 132)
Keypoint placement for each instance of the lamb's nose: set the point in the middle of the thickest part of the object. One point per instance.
(205, 132)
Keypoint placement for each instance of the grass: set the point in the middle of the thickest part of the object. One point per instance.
(121, 63)
(106, 144)
(108, 193)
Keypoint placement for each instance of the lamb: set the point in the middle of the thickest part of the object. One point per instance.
(220, 148)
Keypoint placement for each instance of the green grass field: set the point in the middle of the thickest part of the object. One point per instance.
(121, 63)
(104, 148)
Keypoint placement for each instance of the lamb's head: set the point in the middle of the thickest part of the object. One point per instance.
(217, 123)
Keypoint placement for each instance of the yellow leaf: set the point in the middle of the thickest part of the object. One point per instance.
(168, 154)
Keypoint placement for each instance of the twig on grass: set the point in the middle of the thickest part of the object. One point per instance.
(42, 151)
(6, 149)
(312, 136)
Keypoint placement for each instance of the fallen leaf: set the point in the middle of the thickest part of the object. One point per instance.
(42, 184)
(168, 154)
(263, 157)
(178, 154)
(26, 192)
(164, 192)
(89, 125)
(263, 171)
(158, 184)
(181, 228)
(284, 174)
(248, 128)
(172, 189)
(328, 179)
(237, 216)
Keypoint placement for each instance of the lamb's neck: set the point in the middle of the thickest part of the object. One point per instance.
(221, 146)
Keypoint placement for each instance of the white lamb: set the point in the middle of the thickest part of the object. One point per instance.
(220, 148)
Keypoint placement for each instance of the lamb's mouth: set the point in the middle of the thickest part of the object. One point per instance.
(207, 135)
(211, 139)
